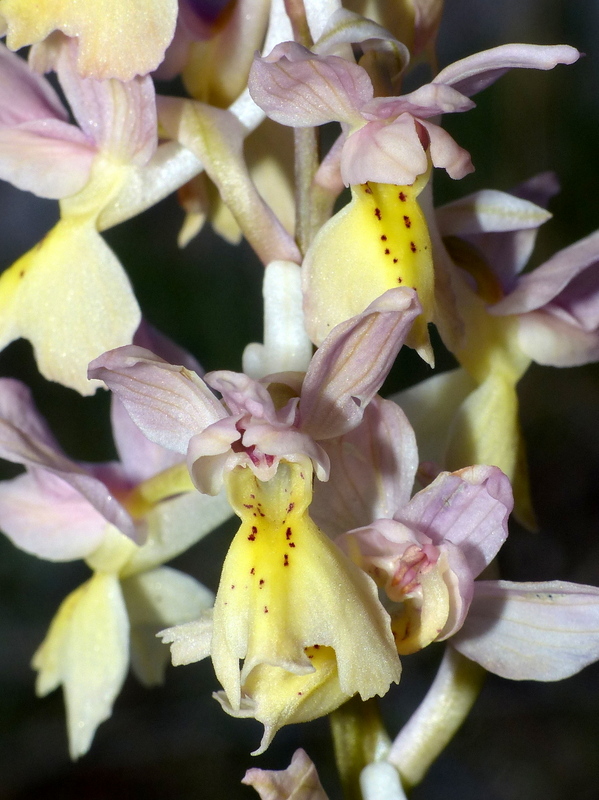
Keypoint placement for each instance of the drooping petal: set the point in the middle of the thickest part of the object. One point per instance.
(295, 87)
(384, 153)
(446, 153)
(24, 95)
(300, 781)
(169, 403)
(25, 439)
(33, 157)
(156, 598)
(378, 241)
(87, 651)
(474, 73)
(549, 281)
(469, 508)
(279, 594)
(552, 341)
(429, 100)
(43, 515)
(69, 312)
(115, 40)
(532, 631)
(118, 117)
(372, 471)
(351, 364)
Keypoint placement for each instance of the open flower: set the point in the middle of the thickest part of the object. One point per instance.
(109, 515)
(277, 604)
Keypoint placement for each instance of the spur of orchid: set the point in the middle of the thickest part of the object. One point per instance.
(354, 520)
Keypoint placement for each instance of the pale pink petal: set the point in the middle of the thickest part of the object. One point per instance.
(350, 366)
(469, 508)
(295, 87)
(299, 781)
(531, 631)
(242, 394)
(25, 95)
(429, 100)
(209, 454)
(169, 403)
(384, 153)
(372, 470)
(474, 73)
(43, 515)
(25, 439)
(446, 152)
(118, 117)
(33, 156)
(544, 284)
(554, 342)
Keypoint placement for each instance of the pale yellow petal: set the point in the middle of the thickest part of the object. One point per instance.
(71, 298)
(281, 588)
(377, 242)
(87, 651)
(117, 38)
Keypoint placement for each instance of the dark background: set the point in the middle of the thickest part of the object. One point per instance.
(522, 740)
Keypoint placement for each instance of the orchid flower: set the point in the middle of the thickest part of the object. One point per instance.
(117, 517)
(276, 605)
(71, 313)
(548, 315)
(426, 553)
(385, 154)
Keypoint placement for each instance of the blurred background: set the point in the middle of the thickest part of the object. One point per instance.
(522, 740)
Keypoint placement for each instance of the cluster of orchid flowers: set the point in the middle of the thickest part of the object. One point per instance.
(338, 568)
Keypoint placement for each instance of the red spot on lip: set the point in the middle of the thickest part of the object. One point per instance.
(285, 560)
(266, 609)
(290, 507)
(383, 238)
(399, 279)
(402, 197)
(288, 533)
(291, 544)
(252, 535)
(413, 247)
(395, 261)
(248, 505)
(387, 251)
(261, 582)
(253, 571)
(377, 213)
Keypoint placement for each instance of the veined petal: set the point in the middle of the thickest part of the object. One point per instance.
(545, 284)
(87, 651)
(378, 241)
(115, 40)
(279, 594)
(351, 364)
(429, 100)
(43, 515)
(155, 598)
(25, 95)
(33, 157)
(384, 153)
(474, 73)
(489, 211)
(169, 403)
(372, 471)
(299, 781)
(469, 508)
(118, 117)
(532, 631)
(295, 87)
(70, 297)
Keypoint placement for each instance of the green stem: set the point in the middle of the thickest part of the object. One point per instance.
(437, 719)
(359, 738)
